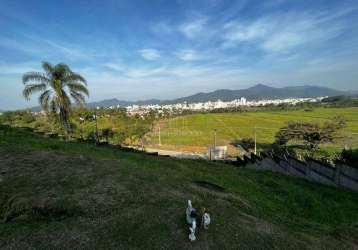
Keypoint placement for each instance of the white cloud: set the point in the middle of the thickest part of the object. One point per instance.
(194, 28)
(188, 55)
(237, 32)
(281, 32)
(149, 54)
(140, 72)
(282, 41)
(114, 66)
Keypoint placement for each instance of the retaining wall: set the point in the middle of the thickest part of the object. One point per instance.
(312, 170)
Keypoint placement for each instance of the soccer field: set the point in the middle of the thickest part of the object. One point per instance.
(200, 129)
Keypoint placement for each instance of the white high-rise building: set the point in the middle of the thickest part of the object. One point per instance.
(243, 101)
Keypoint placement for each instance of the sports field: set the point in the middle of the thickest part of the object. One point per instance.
(199, 130)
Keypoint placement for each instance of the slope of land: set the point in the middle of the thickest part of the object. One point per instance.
(198, 129)
(56, 195)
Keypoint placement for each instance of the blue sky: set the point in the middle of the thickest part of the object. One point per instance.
(165, 49)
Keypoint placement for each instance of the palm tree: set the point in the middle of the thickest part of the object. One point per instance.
(58, 86)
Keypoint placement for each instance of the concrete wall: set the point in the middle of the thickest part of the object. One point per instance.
(347, 177)
(321, 173)
(312, 170)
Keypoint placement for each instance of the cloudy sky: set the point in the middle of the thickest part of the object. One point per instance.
(132, 49)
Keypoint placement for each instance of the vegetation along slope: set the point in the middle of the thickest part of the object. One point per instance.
(62, 195)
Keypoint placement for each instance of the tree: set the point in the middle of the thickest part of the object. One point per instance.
(121, 137)
(312, 134)
(25, 117)
(331, 127)
(92, 137)
(107, 133)
(151, 116)
(58, 85)
(8, 118)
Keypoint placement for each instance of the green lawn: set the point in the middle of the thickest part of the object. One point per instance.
(57, 195)
(198, 129)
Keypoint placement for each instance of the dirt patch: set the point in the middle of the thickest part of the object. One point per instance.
(19, 207)
(181, 148)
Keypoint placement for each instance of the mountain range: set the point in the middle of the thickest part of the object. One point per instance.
(257, 92)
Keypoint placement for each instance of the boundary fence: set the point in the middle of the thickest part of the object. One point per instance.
(340, 175)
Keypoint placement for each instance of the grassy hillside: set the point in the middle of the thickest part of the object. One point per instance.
(55, 195)
(198, 130)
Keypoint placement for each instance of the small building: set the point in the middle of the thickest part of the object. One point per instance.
(217, 153)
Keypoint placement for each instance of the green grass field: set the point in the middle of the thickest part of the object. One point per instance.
(57, 195)
(198, 129)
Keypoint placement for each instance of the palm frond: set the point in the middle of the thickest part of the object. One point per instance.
(62, 67)
(32, 88)
(74, 77)
(47, 67)
(78, 87)
(78, 98)
(44, 99)
(61, 70)
(35, 77)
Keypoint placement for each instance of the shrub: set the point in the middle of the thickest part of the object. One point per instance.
(349, 157)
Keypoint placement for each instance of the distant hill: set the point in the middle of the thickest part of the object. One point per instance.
(256, 92)
(261, 91)
(115, 102)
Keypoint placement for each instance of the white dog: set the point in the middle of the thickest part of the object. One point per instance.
(205, 220)
(191, 220)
